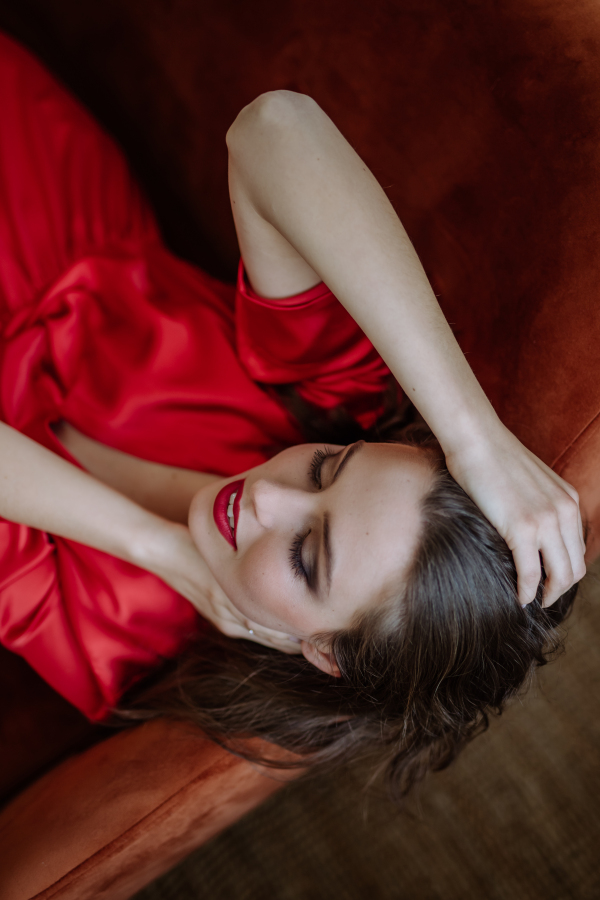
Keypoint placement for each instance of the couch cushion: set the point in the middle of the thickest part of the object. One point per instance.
(106, 822)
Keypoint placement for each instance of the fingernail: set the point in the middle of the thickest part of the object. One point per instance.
(294, 640)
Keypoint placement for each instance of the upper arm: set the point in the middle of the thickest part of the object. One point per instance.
(274, 267)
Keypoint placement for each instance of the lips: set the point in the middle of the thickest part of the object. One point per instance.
(222, 501)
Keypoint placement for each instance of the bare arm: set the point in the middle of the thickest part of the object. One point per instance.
(164, 490)
(39, 489)
(307, 208)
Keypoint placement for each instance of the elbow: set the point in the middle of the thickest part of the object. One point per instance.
(270, 115)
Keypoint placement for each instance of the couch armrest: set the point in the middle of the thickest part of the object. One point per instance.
(110, 820)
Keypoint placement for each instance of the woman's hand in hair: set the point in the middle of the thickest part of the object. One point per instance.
(306, 209)
(534, 510)
(172, 555)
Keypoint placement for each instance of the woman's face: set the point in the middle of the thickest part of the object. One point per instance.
(320, 533)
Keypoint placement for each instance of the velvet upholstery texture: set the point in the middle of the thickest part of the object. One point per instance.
(481, 120)
(136, 804)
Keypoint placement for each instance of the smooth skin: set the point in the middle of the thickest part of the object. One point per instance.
(307, 209)
(312, 552)
(369, 494)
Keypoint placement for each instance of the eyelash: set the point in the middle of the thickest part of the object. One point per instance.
(314, 470)
(314, 473)
(296, 556)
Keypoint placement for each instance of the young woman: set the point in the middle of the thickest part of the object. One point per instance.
(374, 583)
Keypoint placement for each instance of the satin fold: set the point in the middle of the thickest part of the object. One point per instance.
(103, 327)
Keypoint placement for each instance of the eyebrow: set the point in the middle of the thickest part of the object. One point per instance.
(326, 529)
(327, 549)
(353, 449)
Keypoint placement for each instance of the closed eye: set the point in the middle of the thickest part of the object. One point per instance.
(316, 465)
(314, 473)
(296, 556)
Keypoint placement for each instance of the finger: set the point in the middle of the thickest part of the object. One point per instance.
(559, 571)
(571, 512)
(572, 535)
(573, 494)
(571, 527)
(529, 571)
(577, 514)
(581, 535)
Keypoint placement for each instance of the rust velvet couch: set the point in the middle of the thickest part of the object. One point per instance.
(481, 121)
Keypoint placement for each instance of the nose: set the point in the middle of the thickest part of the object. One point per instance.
(277, 504)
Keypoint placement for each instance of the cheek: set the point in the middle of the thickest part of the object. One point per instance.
(261, 587)
(265, 589)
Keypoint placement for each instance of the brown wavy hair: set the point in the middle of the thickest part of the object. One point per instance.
(420, 675)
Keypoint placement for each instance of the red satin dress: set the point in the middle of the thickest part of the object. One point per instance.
(102, 326)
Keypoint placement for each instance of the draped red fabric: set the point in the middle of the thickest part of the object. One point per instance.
(103, 327)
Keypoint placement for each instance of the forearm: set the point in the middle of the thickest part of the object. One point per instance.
(164, 490)
(39, 489)
(314, 196)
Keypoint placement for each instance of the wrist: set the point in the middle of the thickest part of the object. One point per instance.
(471, 432)
(153, 543)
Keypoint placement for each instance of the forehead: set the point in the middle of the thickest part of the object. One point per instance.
(375, 522)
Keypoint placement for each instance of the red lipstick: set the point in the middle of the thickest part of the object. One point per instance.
(221, 504)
